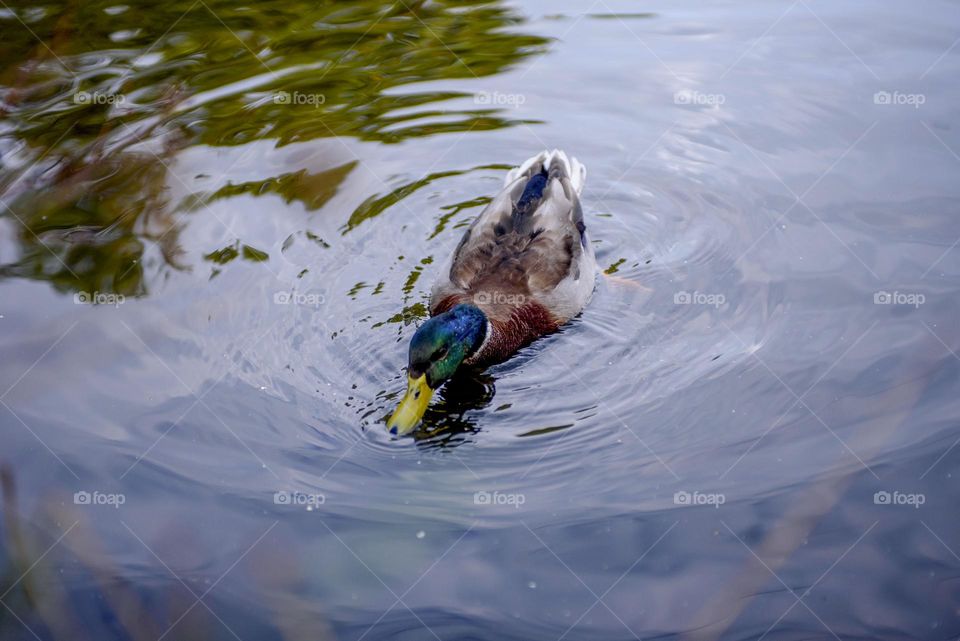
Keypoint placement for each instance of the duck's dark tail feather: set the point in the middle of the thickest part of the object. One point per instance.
(530, 199)
(554, 164)
(522, 214)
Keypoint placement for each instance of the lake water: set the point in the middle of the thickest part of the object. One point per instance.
(219, 228)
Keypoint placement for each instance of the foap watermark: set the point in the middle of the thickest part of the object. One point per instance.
(297, 298)
(899, 498)
(899, 298)
(699, 298)
(299, 98)
(295, 498)
(898, 98)
(499, 498)
(98, 498)
(699, 498)
(98, 298)
(98, 98)
(692, 97)
(498, 99)
(498, 298)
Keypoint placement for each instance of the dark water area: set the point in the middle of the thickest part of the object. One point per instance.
(218, 232)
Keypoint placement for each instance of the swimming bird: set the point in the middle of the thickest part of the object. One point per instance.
(523, 268)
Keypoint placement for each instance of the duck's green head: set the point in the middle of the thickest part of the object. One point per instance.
(437, 350)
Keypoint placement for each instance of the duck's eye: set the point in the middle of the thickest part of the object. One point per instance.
(442, 354)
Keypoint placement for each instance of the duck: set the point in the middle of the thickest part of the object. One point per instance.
(523, 268)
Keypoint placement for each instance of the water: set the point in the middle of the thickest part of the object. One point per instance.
(748, 433)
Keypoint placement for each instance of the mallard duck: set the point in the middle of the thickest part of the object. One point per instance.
(523, 268)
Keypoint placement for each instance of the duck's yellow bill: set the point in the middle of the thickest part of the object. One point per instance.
(412, 407)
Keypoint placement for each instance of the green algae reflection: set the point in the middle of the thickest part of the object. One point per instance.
(98, 98)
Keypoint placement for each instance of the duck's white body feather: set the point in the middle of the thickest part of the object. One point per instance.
(522, 250)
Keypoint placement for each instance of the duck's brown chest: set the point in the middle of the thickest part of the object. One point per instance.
(509, 337)
(512, 327)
